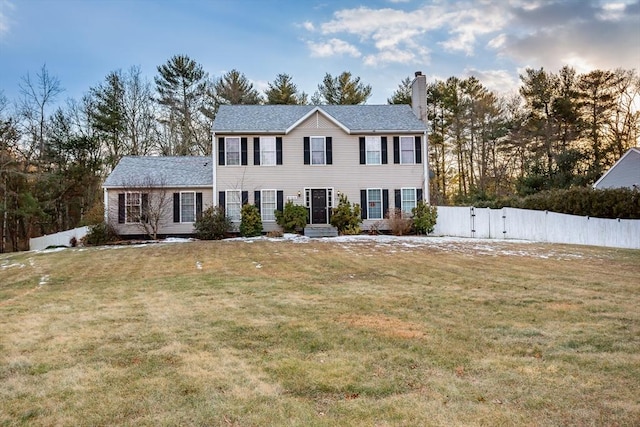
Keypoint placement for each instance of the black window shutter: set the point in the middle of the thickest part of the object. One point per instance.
(145, 207)
(383, 148)
(221, 151)
(221, 201)
(363, 151)
(418, 194)
(256, 199)
(243, 150)
(307, 150)
(198, 205)
(245, 197)
(329, 150)
(364, 206)
(396, 149)
(256, 151)
(418, 150)
(278, 150)
(121, 211)
(398, 197)
(280, 200)
(176, 207)
(385, 202)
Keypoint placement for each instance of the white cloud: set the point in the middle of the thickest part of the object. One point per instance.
(498, 41)
(333, 47)
(498, 81)
(5, 7)
(308, 25)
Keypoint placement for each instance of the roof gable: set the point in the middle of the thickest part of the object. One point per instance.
(284, 118)
(161, 171)
(631, 155)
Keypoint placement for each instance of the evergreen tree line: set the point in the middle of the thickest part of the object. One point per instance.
(561, 130)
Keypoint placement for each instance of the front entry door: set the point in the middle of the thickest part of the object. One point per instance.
(318, 206)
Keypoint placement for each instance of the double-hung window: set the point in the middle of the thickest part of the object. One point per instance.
(407, 150)
(318, 150)
(374, 201)
(267, 150)
(133, 207)
(268, 205)
(188, 206)
(233, 204)
(373, 150)
(409, 200)
(232, 151)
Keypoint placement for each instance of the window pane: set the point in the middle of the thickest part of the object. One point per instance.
(232, 150)
(407, 147)
(268, 205)
(268, 150)
(133, 207)
(408, 199)
(374, 198)
(187, 207)
(234, 205)
(373, 150)
(317, 151)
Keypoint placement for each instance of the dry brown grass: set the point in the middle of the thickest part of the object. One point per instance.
(321, 333)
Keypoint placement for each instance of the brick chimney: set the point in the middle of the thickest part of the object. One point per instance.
(419, 96)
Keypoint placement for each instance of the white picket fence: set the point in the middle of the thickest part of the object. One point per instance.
(539, 226)
(62, 238)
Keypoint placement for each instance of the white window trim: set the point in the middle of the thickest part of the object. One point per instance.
(275, 150)
(194, 207)
(402, 200)
(381, 203)
(127, 195)
(324, 150)
(228, 139)
(378, 141)
(413, 148)
(226, 203)
(275, 205)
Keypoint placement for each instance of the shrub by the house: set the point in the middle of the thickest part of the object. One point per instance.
(399, 222)
(424, 217)
(99, 234)
(293, 218)
(213, 224)
(251, 222)
(345, 217)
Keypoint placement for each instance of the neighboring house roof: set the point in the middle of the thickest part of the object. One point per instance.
(161, 171)
(284, 118)
(624, 173)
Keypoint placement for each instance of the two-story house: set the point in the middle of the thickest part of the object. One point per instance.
(267, 155)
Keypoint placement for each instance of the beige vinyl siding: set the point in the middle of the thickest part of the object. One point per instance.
(345, 174)
(167, 226)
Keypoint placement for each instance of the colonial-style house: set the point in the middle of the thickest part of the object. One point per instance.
(376, 155)
(624, 173)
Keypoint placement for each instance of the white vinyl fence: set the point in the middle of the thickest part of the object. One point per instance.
(57, 239)
(540, 226)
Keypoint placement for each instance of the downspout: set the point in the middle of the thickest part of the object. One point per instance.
(425, 165)
(214, 169)
(106, 205)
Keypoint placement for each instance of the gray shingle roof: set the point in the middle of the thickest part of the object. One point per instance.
(186, 171)
(280, 118)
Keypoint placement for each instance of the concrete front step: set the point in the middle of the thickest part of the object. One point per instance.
(320, 231)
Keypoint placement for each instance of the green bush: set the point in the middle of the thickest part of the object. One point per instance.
(213, 224)
(251, 222)
(424, 217)
(99, 234)
(293, 218)
(346, 218)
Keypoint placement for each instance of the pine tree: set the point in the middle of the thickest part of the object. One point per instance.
(341, 90)
(402, 95)
(234, 88)
(283, 91)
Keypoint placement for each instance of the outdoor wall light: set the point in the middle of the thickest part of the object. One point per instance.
(299, 194)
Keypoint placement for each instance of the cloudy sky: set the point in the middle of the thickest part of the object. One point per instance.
(382, 41)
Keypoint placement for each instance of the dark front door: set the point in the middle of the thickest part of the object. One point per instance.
(319, 206)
